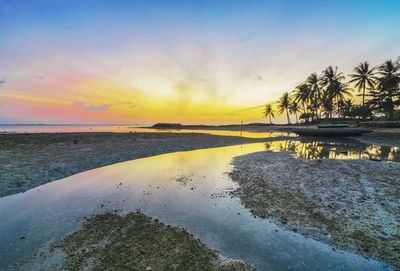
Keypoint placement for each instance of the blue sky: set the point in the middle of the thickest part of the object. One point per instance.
(231, 54)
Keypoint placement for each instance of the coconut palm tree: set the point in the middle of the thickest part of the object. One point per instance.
(363, 77)
(388, 88)
(339, 91)
(294, 109)
(302, 95)
(269, 112)
(283, 105)
(330, 75)
(314, 83)
(334, 88)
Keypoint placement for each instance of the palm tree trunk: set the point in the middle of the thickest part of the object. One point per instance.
(363, 109)
(297, 120)
(270, 121)
(391, 110)
(287, 115)
(363, 94)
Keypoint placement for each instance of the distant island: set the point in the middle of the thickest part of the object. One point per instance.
(203, 126)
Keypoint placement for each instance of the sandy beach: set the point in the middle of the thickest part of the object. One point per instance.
(30, 160)
(349, 204)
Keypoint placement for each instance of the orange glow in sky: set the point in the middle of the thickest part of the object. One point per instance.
(194, 62)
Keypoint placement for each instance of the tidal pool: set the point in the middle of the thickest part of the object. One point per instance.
(127, 129)
(187, 189)
(336, 150)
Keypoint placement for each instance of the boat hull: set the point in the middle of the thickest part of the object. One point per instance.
(337, 126)
(331, 132)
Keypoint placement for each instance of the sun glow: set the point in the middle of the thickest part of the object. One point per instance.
(150, 63)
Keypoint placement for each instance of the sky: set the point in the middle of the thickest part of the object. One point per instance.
(193, 62)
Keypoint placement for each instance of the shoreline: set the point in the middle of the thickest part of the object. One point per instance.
(33, 159)
(351, 205)
(380, 136)
(30, 160)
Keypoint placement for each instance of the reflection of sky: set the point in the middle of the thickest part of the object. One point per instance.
(186, 61)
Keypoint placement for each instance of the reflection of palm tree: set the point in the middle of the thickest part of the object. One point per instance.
(269, 112)
(283, 105)
(280, 146)
(363, 77)
(291, 146)
(384, 152)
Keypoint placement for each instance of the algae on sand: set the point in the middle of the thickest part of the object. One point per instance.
(137, 242)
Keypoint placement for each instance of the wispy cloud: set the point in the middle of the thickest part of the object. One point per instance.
(2, 82)
(92, 107)
(100, 107)
(130, 104)
(79, 103)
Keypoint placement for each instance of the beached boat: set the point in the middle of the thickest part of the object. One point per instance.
(331, 132)
(331, 125)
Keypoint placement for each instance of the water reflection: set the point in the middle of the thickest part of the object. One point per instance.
(336, 150)
(178, 188)
(130, 128)
(239, 133)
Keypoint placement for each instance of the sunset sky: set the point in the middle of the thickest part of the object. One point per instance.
(125, 62)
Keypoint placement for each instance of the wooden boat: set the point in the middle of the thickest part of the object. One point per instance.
(331, 125)
(331, 132)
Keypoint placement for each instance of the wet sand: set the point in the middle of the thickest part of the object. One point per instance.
(133, 241)
(383, 136)
(30, 160)
(352, 205)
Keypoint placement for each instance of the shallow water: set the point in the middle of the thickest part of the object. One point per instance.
(187, 189)
(336, 150)
(127, 129)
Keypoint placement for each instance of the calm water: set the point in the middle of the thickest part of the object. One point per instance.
(187, 189)
(335, 150)
(126, 129)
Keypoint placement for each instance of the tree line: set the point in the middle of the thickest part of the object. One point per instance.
(329, 94)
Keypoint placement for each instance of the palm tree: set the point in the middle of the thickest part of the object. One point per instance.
(334, 88)
(313, 82)
(302, 95)
(344, 108)
(294, 109)
(338, 92)
(269, 112)
(388, 87)
(364, 77)
(283, 105)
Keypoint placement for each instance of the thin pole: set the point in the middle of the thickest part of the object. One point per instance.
(241, 124)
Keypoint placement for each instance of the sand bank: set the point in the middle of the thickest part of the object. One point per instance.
(350, 204)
